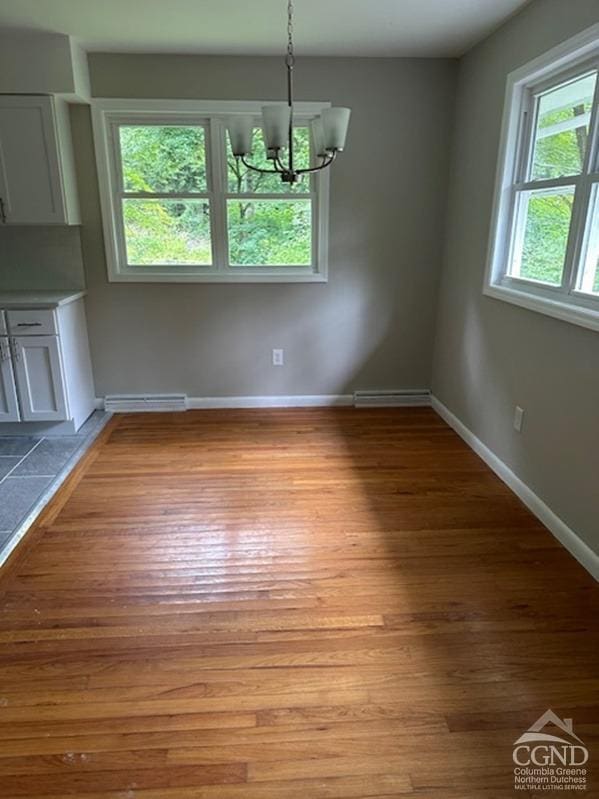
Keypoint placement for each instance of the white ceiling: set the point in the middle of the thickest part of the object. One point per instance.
(323, 27)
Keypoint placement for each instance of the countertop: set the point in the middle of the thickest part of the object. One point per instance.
(37, 299)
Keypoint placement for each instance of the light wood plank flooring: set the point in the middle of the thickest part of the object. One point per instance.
(287, 604)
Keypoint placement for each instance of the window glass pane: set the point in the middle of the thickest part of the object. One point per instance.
(563, 117)
(270, 232)
(589, 277)
(541, 234)
(163, 158)
(167, 232)
(242, 179)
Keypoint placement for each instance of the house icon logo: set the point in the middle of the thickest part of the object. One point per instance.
(550, 756)
(535, 732)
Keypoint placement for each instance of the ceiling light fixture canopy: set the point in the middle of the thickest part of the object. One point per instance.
(329, 130)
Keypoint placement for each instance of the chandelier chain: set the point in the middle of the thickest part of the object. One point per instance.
(290, 54)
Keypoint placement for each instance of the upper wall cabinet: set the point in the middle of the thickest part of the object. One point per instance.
(37, 174)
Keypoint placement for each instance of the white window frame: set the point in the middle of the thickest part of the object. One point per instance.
(108, 114)
(564, 302)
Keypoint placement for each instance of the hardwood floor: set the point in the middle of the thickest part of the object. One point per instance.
(287, 604)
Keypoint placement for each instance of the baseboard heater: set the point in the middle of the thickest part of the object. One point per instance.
(138, 403)
(392, 399)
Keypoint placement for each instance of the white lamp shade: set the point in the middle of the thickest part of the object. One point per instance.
(334, 123)
(241, 129)
(318, 137)
(275, 119)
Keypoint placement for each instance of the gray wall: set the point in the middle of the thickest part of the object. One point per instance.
(372, 325)
(490, 355)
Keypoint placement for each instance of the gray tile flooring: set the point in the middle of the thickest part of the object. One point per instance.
(29, 466)
(17, 445)
(17, 495)
(48, 457)
(7, 464)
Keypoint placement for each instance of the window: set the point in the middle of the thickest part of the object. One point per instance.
(178, 206)
(544, 252)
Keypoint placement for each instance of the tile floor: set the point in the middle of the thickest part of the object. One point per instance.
(28, 468)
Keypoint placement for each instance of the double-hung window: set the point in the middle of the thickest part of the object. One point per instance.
(178, 206)
(544, 252)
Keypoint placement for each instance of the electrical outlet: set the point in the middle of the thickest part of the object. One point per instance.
(277, 358)
(518, 418)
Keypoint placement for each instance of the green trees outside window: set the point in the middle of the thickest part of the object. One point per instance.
(166, 208)
(559, 149)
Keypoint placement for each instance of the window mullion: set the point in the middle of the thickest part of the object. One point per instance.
(574, 268)
(548, 183)
(592, 155)
(577, 226)
(165, 195)
(218, 176)
(528, 115)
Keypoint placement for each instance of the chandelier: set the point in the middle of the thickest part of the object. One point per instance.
(328, 130)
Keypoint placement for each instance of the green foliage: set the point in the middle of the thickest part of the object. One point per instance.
(167, 232)
(270, 233)
(560, 154)
(546, 237)
(159, 158)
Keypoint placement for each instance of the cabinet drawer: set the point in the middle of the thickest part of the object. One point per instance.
(3, 330)
(32, 323)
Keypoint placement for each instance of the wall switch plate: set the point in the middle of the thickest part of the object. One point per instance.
(518, 418)
(277, 358)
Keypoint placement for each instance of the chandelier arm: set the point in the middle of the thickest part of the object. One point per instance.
(257, 169)
(281, 166)
(327, 162)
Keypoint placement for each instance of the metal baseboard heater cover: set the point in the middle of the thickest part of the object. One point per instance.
(392, 399)
(136, 403)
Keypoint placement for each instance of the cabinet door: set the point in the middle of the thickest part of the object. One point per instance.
(30, 174)
(9, 407)
(38, 369)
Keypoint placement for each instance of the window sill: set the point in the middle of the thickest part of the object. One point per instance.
(575, 314)
(217, 277)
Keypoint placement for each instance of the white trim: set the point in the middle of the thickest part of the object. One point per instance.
(198, 107)
(564, 534)
(291, 401)
(567, 312)
(211, 114)
(516, 130)
(360, 399)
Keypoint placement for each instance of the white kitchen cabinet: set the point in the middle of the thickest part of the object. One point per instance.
(39, 378)
(9, 404)
(46, 368)
(37, 173)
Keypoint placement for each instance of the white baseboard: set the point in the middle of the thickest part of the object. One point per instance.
(361, 399)
(564, 534)
(293, 401)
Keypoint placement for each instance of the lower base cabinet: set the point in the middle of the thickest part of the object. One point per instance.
(39, 377)
(9, 403)
(45, 368)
